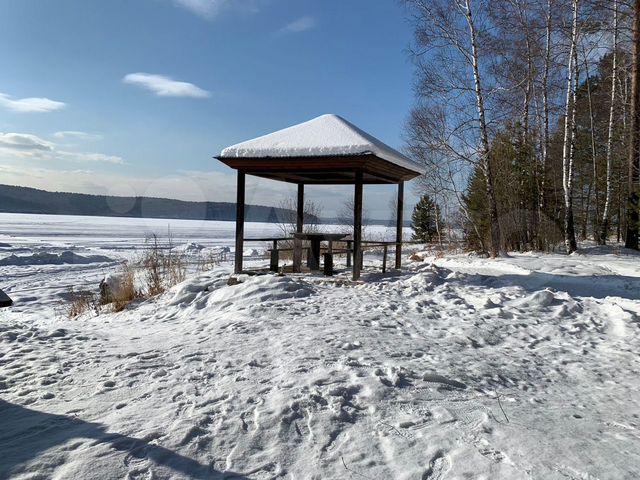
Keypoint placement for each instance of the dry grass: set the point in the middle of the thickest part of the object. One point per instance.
(159, 269)
(210, 260)
(80, 303)
(152, 265)
(162, 269)
(127, 291)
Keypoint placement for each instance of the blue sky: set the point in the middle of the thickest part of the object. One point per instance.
(89, 100)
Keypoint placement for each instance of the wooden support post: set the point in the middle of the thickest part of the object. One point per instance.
(357, 226)
(313, 255)
(349, 242)
(297, 243)
(328, 260)
(399, 225)
(384, 259)
(273, 263)
(239, 222)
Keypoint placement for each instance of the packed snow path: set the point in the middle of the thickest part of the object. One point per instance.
(463, 368)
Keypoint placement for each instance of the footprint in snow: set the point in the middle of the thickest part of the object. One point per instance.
(159, 373)
(438, 467)
(435, 378)
(496, 456)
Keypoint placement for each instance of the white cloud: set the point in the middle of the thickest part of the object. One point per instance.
(299, 25)
(204, 8)
(75, 134)
(26, 145)
(91, 157)
(28, 105)
(209, 9)
(164, 86)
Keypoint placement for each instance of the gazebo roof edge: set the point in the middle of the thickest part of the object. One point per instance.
(324, 136)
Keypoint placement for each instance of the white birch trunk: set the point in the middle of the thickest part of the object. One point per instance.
(545, 109)
(484, 135)
(568, 142)
(604, 232)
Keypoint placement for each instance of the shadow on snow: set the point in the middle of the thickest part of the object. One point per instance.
(596, 286)
(28, 433)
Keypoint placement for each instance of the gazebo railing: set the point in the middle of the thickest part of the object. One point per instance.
(274, 251)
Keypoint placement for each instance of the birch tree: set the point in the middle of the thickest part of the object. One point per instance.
(568, 146)
(545, 108)
(604, 232)
(521, 114)
(452, 91)
(485, 151)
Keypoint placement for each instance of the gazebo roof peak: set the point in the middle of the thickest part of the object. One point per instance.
(324, 136)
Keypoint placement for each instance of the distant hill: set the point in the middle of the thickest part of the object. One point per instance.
(15, 199)
(30, 200)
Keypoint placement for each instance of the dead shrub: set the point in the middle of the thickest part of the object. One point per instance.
(152, 264)
(414, 257)
(208, 261)
(159, 268)
(127, 292)
(162, 270)
(174, 269)
(82, 302)
(119, 290)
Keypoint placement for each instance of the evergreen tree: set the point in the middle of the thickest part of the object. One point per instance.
(424, 220)
(476, 223)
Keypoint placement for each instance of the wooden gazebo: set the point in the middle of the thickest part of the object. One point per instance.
(327, 150)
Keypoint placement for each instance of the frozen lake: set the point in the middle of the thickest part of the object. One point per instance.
(70, 230)
(43, 257)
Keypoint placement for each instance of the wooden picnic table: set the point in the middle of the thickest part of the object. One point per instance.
(313, 259)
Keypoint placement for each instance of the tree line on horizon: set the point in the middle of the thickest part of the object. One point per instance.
(527, 119)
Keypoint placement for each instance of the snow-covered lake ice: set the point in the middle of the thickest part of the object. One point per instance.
(43, 256)
(457, 368)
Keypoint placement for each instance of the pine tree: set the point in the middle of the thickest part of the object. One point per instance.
(424, 220)
(476, 223)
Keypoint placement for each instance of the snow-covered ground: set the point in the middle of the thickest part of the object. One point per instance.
(457, 368)
(43, 256)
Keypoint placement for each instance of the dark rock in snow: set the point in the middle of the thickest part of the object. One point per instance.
(5, 301)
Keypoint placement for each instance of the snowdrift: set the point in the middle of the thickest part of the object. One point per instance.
(459, 368)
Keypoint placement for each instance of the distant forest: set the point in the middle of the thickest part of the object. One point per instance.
(30, 200)
(15, 199)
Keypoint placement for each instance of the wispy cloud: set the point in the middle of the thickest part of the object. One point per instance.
(75, 134)
(210, 9)
(26, 145)
(203, 8)
(164, 86)
(32, 104)
(91, 157)
(300, 25)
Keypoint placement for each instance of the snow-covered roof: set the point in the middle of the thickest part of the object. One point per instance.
(326, 135)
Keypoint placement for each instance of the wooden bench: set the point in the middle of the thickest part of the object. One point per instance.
(274, 256)
(274, 252)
